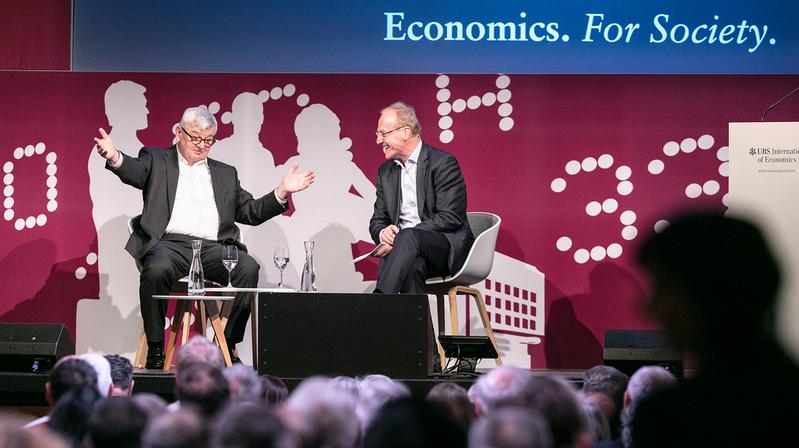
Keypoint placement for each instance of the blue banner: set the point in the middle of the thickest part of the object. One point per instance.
(413, 36)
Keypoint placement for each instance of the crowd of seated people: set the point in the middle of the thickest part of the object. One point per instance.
(94, 404)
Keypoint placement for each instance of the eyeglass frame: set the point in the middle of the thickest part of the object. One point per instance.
(198, 140)
(379, 134)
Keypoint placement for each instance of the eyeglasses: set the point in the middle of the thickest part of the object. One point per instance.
(383, 134)
(198, 140)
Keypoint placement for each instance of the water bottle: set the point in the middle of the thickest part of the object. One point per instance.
(196, 277)
(308, 282)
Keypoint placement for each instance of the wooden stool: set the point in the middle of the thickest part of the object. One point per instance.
(142, 348)
(183, 316)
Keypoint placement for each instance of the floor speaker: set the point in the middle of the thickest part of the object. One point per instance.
(33, 347)
(628, 350)
(305, 334)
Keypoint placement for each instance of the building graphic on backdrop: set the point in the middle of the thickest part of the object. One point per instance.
(514, 298)
(334, 213)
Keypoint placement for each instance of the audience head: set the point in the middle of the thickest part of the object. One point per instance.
(322, 415)
(153, 405)
(454, 400)
(604, 386)
(347, 384)
(182, 428)
(373, 392)
(275, 391)
(249, 425)
(244, 383)
(117, 422)
(203, 387)
(70, 415)
(557, 400)
(511, 427)
(198, 350)
(712, 275)
(69, 373)
(121, 375)
(13, 434)
(499, 387)
(408, 422)
(644, 382)
(102, 367)
(596, 421)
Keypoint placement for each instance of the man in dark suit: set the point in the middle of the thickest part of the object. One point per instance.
(188, 196)
(420, 211)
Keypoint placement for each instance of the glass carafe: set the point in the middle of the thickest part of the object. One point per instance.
(196, 277)
(308, 282)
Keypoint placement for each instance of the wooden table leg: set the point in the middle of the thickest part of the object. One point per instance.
(219, 332)
(180, 307)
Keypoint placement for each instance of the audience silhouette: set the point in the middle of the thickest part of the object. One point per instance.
(714, 287)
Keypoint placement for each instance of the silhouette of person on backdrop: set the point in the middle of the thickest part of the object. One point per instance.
(714, 288)
(190, 196)
(126, 109)
(340, 182)
(244, 145)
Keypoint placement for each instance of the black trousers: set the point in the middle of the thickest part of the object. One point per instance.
(169, 260)
(417, 255)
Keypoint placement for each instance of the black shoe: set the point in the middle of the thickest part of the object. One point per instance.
(155, 358)
(234, 358)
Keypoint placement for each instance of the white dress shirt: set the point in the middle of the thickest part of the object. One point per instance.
(409, 210)
(194, 212)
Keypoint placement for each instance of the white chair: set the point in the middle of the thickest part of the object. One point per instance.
(485, 228)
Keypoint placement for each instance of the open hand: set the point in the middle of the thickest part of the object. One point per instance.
(293, 181)
(105, 147)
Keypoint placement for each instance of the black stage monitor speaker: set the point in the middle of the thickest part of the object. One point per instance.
(467, 347)
(304, 334)
(467, 350)
(33, 347)
(628, 350)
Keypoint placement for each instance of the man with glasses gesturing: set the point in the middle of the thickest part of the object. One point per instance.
(190, 196)
(420, 211)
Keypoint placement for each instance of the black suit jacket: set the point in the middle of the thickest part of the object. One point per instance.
(156, 171)
(441, 199)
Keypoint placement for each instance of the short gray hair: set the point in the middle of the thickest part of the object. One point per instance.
(406, 116)
(200, 116)
(324, 413)
(244, 382)
(513, 428)
(198, 350)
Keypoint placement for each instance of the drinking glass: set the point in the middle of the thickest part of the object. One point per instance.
(281, 258)
(230, 257)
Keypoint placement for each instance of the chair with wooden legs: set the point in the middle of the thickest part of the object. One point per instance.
(485, 228)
